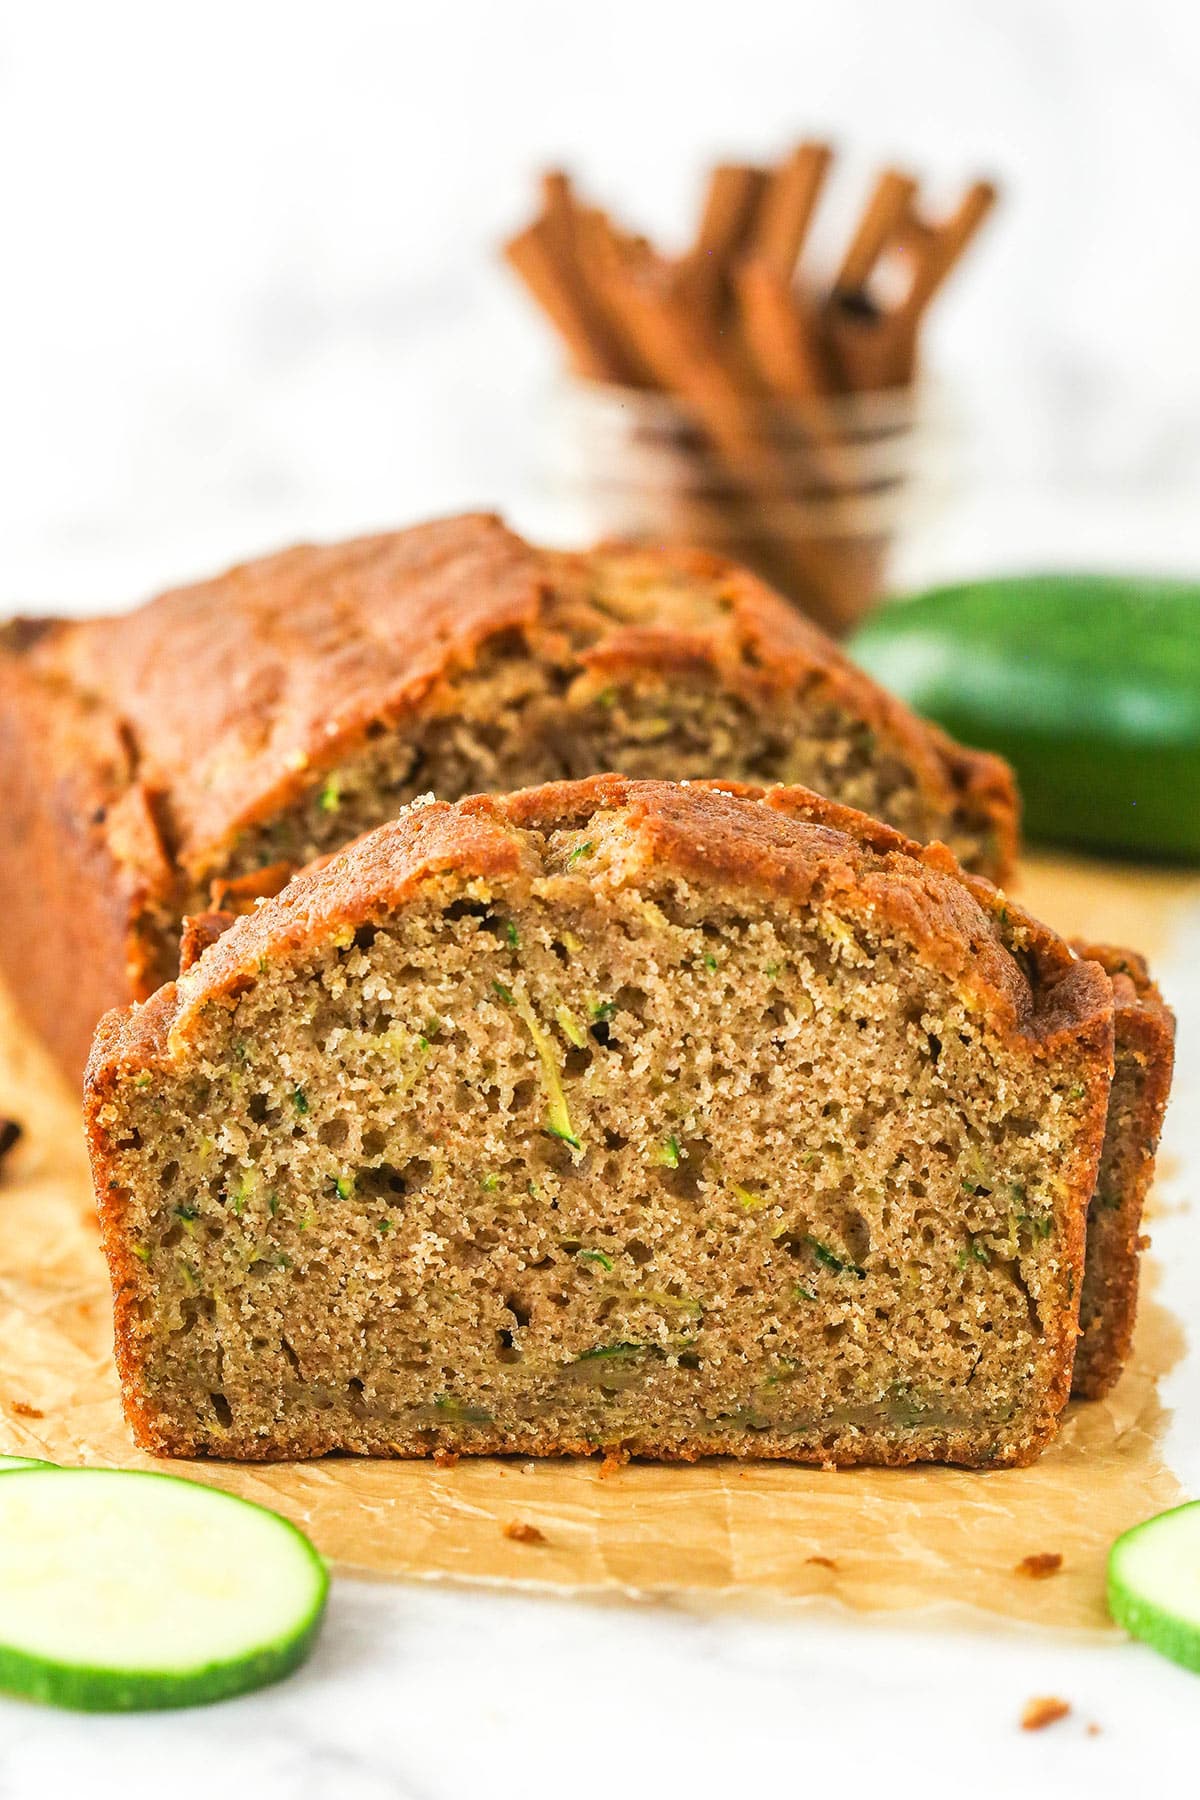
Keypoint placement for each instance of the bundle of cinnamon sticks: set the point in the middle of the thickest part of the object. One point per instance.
(749, 343)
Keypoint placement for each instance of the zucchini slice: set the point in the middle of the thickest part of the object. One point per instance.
(121, 1591)
(1154, 1583)
(9, 1463)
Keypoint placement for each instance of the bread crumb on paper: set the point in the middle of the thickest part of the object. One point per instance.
(1042, 1712)
(23, 1410)
(520, 1533)
(1040, 1565)
(822, 1562)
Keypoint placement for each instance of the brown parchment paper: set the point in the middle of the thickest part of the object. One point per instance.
(879, 1541)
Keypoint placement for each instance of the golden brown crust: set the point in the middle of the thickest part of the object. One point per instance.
(1145, 1054)
(78, 851)
(138, 747)
(232, 689)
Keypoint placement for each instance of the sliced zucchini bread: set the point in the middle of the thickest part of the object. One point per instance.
(612, 1115)
(230, 732)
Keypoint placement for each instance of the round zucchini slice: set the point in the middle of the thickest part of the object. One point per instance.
(1154, 1583)
(121, 1591)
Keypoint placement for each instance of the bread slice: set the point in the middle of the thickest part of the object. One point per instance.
(1144, 1048)
(1145, 1054)
(230, 732)
(610, 1115)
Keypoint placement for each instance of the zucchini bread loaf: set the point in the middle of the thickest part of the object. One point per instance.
(610, 1115)
(228, 733)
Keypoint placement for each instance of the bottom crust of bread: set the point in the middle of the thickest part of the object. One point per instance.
(965, 1448)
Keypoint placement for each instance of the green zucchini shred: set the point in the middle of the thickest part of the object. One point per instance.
(599, 1257)
(828, 1259)
(570, 1027)
(558, 1118)
(616, 1352)
(975, 1250)
(459, 1413)
(750, 1201)
(666, 1156)
(669, 1302)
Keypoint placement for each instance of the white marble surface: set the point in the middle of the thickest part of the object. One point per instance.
(248, 296)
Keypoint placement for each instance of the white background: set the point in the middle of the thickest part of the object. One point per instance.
(248, 292)
(248, 288)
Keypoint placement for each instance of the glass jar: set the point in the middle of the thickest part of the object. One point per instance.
(812, 497)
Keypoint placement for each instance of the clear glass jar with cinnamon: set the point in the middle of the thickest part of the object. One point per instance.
(724, 397)
(815, 502)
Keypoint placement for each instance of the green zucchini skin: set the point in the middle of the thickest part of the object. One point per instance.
(10, 1464)
(80, 1688)
(1149, 1615)
(1089, 685)
(88, 1686)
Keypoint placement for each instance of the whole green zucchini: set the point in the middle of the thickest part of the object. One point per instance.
(1089, 685)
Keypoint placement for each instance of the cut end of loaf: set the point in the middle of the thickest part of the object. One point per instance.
(619, 1118)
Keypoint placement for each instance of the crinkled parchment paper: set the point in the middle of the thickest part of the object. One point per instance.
(877, 1541)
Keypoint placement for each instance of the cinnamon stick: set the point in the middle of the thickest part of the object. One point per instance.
(875, 346)
(781, 330)
(537, 259)
(945, 243)
(730, 206)
(886, 208)
(785, 210)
